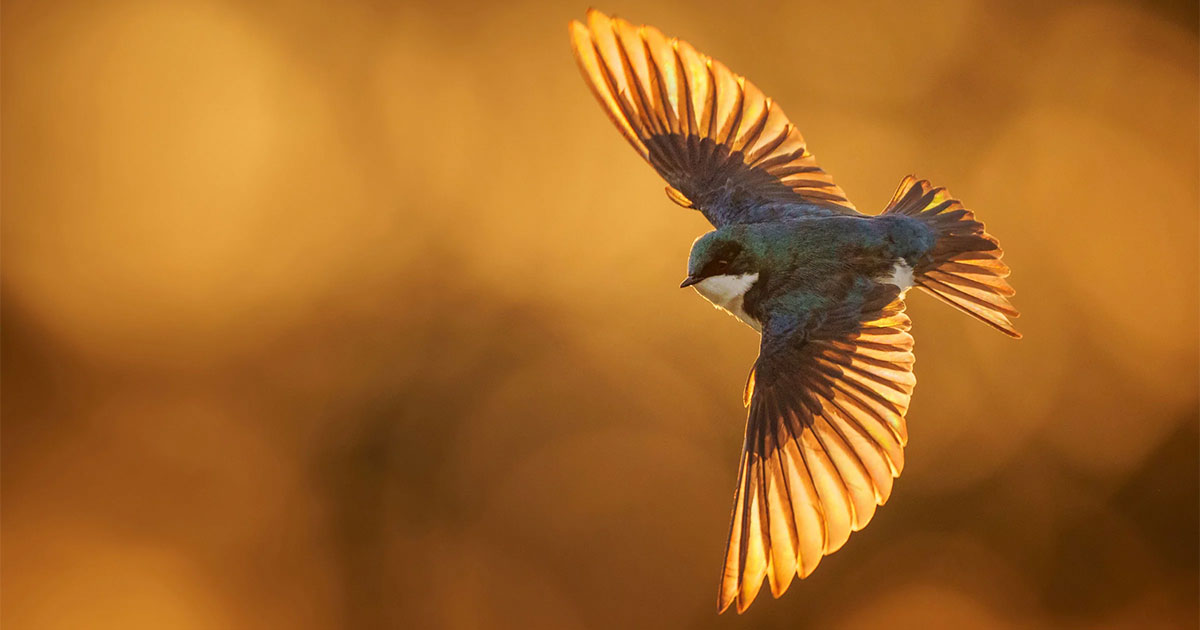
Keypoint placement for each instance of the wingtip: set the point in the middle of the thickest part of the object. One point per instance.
(581, 36)
(724, 599)
(780, 584)
(807, 565)
(589, 16)
(727, 591)
(1006, 326)
(596, 19)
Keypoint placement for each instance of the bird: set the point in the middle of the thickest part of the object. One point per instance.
(823, 284)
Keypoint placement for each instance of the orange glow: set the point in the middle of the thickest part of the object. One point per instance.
(361, 315)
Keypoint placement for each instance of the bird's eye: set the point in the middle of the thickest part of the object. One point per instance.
(720, 264)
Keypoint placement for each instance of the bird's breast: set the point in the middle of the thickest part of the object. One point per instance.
(728, 293)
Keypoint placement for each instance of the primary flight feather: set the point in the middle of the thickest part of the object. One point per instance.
(822, 283)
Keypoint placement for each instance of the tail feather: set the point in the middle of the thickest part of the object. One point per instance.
(964, 267)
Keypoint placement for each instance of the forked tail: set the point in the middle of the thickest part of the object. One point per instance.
(964, 268)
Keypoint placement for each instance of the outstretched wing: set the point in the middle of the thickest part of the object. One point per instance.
(724, 148)
(824, 439)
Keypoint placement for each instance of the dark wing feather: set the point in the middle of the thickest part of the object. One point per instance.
(724, 148)
(825, 437)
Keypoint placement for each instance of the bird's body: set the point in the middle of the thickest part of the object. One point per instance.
(809, 263)
(824, 285)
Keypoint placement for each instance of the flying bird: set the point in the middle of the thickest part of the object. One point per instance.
(823, 284)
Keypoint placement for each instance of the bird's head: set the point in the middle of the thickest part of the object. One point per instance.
(720, 253)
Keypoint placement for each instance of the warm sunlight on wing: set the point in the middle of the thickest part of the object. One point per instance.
(825, 438)
(699, 124)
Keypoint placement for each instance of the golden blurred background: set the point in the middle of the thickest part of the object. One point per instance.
(362, 315)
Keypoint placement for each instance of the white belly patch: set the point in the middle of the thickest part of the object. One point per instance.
(728, 293)
(901, 276)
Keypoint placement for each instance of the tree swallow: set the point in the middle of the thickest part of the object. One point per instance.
(823, 284)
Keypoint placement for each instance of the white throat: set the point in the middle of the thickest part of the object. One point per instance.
(728, 292)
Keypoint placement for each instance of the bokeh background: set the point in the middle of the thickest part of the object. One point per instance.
(362, 315)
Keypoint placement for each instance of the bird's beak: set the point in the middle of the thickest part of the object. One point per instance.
(689, 281)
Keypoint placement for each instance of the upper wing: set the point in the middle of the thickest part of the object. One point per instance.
(723, 147)
(824, 439)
